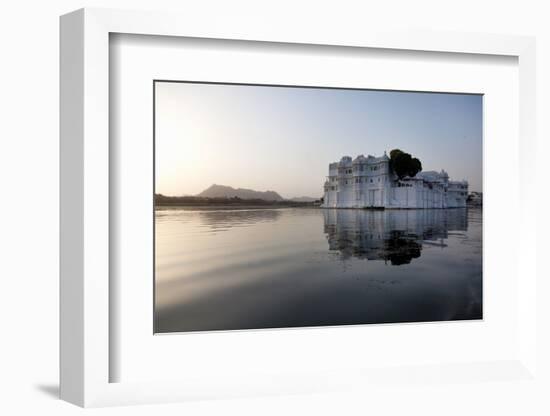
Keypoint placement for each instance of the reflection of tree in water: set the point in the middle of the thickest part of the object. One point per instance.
(395, 236)
(223, 220)
(401, 248)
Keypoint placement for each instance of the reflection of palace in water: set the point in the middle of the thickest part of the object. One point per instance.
(397, 236)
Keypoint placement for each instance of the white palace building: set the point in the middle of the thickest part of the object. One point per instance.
(368, 182)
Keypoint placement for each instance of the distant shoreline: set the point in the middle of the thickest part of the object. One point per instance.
(229, 207)
(162, 201)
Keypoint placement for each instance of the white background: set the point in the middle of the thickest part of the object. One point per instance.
(29, 172)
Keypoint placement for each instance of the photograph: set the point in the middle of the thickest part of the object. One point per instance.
(283, 206)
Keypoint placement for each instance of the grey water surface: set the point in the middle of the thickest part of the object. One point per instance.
(299, 267)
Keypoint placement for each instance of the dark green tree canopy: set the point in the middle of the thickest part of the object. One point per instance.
(403, 164)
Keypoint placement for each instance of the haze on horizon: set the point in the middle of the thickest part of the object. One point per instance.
(283, 138)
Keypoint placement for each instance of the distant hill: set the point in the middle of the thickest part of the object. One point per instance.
(303, 199)
(221, 191)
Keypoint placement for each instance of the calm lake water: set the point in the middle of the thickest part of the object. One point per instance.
(298, 267)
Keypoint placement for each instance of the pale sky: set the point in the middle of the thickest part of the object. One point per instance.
(282, 138)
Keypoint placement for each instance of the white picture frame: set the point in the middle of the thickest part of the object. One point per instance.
(85, 220)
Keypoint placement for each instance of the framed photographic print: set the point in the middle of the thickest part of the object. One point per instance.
(265, 212)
